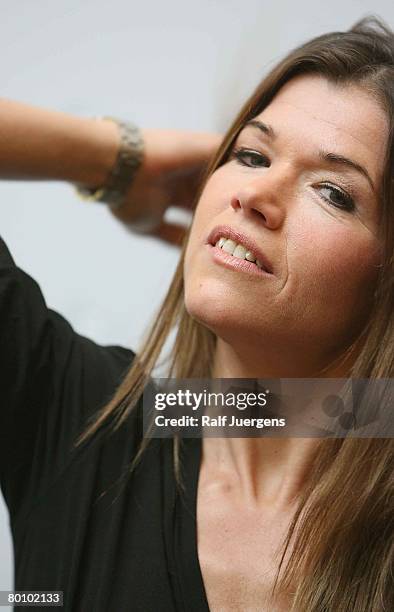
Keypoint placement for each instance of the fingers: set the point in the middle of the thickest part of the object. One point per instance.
(170, 233)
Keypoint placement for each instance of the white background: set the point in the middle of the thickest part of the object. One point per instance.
(173, 64)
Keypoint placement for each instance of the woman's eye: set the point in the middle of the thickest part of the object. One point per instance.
(333, 195)
(249, 158)
(336, 197)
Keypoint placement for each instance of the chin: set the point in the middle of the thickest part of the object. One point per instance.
(212, 311)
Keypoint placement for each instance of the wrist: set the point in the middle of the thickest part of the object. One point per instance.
(128, 160)
(100, 156)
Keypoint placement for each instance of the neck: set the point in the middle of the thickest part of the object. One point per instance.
(264, 470)
(260, 472)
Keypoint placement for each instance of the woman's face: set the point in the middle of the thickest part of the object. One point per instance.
(301, 189)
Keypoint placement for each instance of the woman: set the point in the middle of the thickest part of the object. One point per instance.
(304, 179)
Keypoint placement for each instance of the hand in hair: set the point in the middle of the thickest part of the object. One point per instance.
(171, 174)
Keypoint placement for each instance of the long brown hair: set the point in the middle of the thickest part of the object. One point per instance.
(342, 536)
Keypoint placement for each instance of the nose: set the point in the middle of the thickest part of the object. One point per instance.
(262, 198)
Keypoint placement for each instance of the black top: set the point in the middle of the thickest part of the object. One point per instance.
(134, 548)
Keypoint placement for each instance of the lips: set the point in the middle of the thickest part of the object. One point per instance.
(228, 232)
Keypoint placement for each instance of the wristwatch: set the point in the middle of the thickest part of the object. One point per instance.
(129, 159)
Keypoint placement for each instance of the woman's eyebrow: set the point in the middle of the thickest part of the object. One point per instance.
(263, 127)
(335, 158)
(332, 158)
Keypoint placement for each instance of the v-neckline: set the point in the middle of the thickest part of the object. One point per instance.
(186, 546)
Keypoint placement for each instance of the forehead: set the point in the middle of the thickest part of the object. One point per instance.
(312, 112)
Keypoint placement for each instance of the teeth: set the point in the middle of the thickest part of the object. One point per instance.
(249, 256)
(237, 250)
(229, 246)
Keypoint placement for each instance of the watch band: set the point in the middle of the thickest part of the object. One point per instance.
(121, 176)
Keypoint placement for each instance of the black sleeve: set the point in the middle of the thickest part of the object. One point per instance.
(51, 380)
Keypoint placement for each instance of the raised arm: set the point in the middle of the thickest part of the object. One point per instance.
(43, 144)
(51, 378)
(38, 144)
